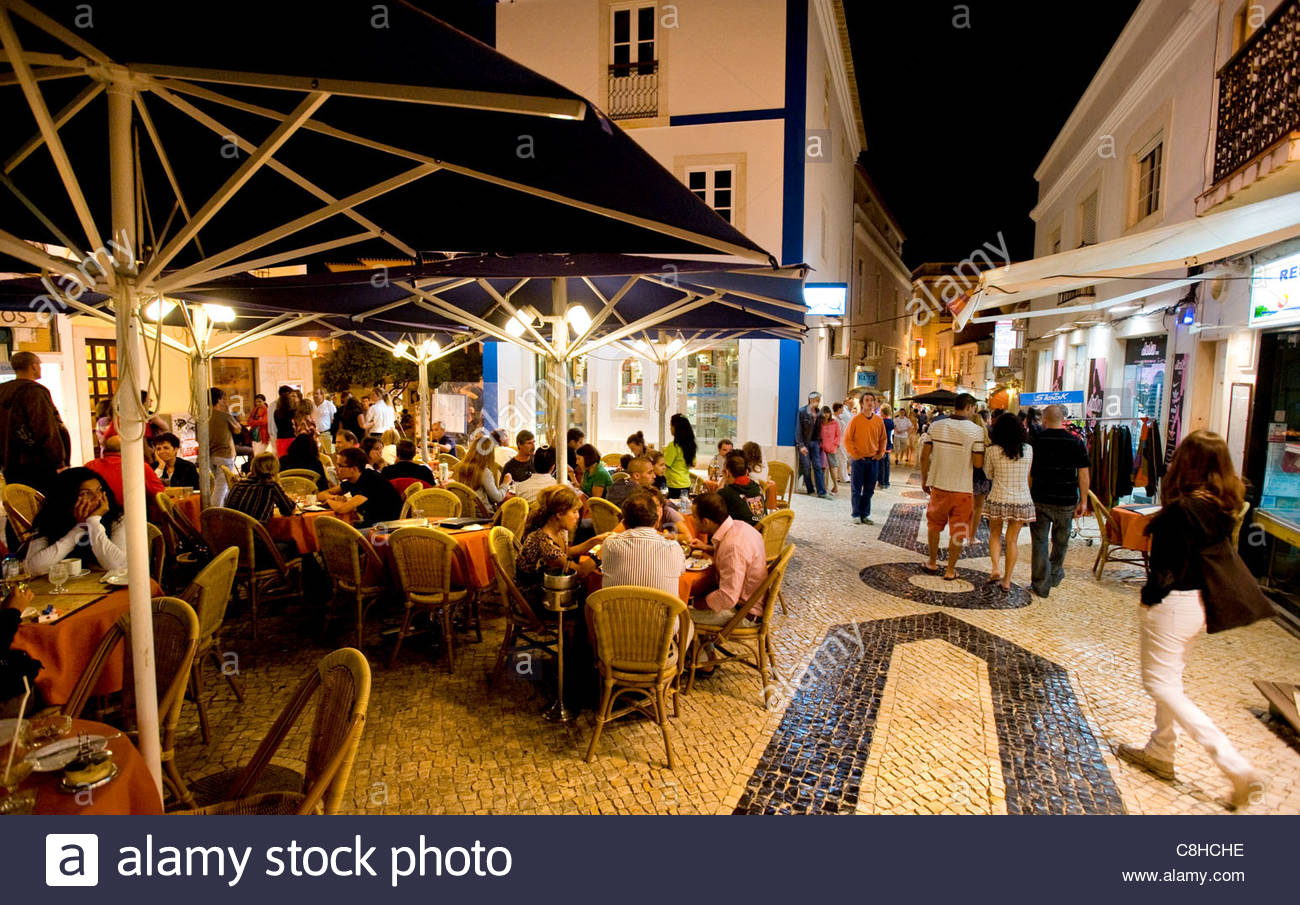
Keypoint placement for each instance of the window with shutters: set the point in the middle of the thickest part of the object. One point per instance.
(1088, 220)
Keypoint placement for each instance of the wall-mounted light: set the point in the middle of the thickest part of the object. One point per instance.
(312, 346)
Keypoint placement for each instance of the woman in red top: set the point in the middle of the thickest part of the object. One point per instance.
(257, 423)
(830, 430)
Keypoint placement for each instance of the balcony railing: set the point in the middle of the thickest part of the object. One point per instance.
(1070, 295)
(633, 90)
(1259, 92)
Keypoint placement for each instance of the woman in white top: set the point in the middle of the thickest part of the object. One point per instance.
(80, 519)
(1006, 462)
(902, 437)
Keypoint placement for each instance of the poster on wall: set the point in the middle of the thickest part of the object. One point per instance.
(185, 431)
(1275, 293)
(1058, 376)
(450, 409)
(1096, 388)
(1177, 386)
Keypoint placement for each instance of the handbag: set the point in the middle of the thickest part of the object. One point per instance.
(1230, 593)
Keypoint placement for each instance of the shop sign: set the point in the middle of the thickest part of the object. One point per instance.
(1177, 389)
(1275, 293)
(1060, 397)
(1004, 340)
(1145, 351)
(826, 299)
(866, 377)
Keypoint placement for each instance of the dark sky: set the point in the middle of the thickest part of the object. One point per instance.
(960, 101)
(958, 119)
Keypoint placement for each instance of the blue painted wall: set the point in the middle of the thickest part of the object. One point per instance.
(491, 408)
(796, 94)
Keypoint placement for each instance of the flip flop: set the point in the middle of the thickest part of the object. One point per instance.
(930, 570)
(950, 578)
(993, 580)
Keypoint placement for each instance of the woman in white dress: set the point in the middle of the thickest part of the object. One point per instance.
(1006, 463)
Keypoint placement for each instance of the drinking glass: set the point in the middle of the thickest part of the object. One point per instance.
(21, 743)
(59, 575)
(13, 567)
(309, 500)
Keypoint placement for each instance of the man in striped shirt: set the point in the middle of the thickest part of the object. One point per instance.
(641, 555)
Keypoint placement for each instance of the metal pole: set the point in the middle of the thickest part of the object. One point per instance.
(663, 402)
(560, 377)
(424, 411)
(201, 402)
(131, 425)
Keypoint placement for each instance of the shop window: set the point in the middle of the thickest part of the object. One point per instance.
(631, 385)
(707, 381)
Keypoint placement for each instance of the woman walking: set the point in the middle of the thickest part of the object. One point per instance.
(882, 475)
(1007, 459)
(1202, 495)
(902, 436)
(679, 456)
(830, 434)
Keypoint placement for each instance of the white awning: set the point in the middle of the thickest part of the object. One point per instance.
(1192, 242)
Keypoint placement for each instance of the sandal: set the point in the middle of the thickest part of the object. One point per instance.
(952, 577)
(994, 579)
(929, 569)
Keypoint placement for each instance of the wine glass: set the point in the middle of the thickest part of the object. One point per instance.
(60, 572)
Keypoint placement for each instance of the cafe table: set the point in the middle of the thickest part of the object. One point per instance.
(131, 791)
(471, 567)
(65, 647)
(298, 529)
(190, 507)
(1128, 527)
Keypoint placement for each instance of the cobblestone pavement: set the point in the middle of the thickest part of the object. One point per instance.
(888, 702)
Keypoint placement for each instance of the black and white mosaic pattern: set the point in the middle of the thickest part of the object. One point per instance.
(896, 578)
(904, 524)
(1051, 762)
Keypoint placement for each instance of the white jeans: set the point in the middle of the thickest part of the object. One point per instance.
(219, 488)
(1167, 631)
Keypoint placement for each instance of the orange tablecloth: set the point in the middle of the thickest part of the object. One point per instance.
(189, 507)
(296, 529)
(132, 791)
(475, 558)
(1132, 527)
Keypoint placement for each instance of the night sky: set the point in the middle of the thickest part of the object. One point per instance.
(960, 102)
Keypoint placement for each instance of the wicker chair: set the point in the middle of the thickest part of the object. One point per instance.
(755, 637)
(185, 547)
(513, 515)
(1109, 529)
(605, 516)
(423, 559)
(525, 632)
(775, 527)
(470, 504)
(300, 473)
(209, 594)
(1238, 521)
(353, 565)
(342, 679)
(404, 485)
(449, 460)
(612, 460)
(157, 552)
(175, 638)
(783, 476)
(232, 477)
(640, 637)
(433, 502)
(298, 486)
(21, 503)
(282, 578)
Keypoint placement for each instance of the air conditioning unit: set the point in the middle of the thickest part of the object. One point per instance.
(841, 342)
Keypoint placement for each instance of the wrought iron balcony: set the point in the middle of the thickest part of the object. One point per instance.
(1259, 92)
(633, 90)
(1088, 292)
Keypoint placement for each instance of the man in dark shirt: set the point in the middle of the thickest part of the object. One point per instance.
(34, 444)
(808, 441)
(745, 497)
(362, 490)
(1058, 482)
(520, 468)
(406, 466)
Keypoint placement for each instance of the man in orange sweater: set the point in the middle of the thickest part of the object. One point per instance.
(865, 443)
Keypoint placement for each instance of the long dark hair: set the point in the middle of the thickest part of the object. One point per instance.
(303, 452)
(56, 517)
(684, 437)
(284, 405)
(1008, 433)
(1202, 469)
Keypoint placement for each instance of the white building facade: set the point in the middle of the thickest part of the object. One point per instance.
(753, 105)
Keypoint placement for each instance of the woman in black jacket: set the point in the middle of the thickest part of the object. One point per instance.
(1202, 496)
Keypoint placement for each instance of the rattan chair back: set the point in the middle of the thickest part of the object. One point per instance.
(21, 504)
(423, 560)
(349, 557)
(299, 473)
(298, 486)
(605, 516)
(209, 592)
(775, 527)
(503, 548)
(613, 460)
(179, 527)
(449, 460)
(231, 528)
(513, 516)
(637, 630)
(232, 477)
(783, 476)
(157, 552)
(470, 504)
(434, 502)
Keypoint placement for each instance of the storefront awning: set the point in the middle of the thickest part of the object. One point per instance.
(1190, 243)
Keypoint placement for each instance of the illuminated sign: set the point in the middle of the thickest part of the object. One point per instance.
(826, 299)
(1004, 340)
(1275, 293)
(1060, 397)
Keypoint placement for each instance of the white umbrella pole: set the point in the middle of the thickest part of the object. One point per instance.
(560, 378)
(202, 412)
(423, 410)
(131, 425)
(663, 402)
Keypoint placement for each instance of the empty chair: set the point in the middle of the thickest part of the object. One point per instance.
(640, 637)
(21, 504)
(263, 569)
(209, 594)
(354, 567)
(300, 473)
(513, 515)
(433, 503)
(753, 635)
(423, 559)
(175, 638)
(613, 460)
(775, 527)
(341, 684)
(297, 485)
(525, 632)
(449, 460)
(184, 546)
(605, 516)
(782, 476)
(470, 504)
(1112, 539)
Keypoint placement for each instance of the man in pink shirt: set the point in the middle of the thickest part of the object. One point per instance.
(738, 555)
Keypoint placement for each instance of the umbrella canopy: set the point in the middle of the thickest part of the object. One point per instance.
(934, 397)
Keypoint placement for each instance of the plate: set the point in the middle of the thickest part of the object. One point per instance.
(57, 755)
(698, 565)
(117, 579)
(314, 508)
(65, 786)
(469, 528)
